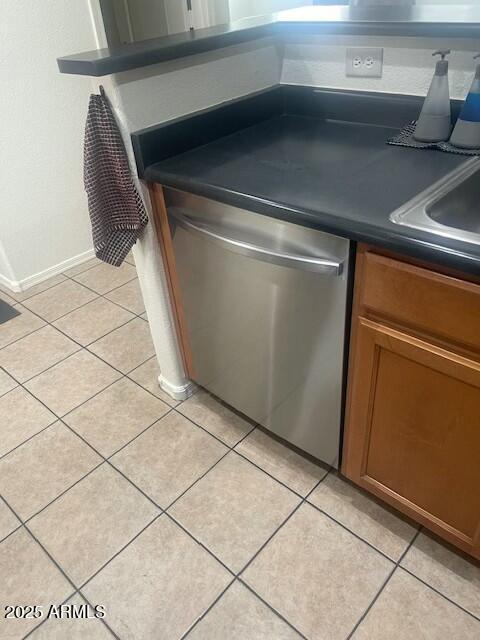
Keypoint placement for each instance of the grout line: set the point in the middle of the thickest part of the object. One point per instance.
(32, 535)
(472, 615)
(104, 293)
(102, 620)
(24, 382)
(44, 620)
(30, 437)
(359, 537)
(19, 526)
(82, 347)
(31, 517)
(302, 502)
(200, 543)
(137, 535)
(230, 450)
(267, 604)
(37, 294)
(241, 455)
(207, 610)
(196, 424)
(386, 581)
(63, 572)
(155, 504)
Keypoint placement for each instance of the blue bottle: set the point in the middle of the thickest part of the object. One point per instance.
(466, 134)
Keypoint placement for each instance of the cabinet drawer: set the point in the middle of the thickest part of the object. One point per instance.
(423, 301)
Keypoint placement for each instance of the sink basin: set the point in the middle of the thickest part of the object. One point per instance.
(449, 208)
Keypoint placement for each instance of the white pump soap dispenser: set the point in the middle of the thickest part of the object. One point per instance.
(435, 121)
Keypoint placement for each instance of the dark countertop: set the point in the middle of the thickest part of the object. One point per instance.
(339, 177)
(452, 21)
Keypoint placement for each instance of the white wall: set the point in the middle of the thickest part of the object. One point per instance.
(408, 65)
(43, 221)
(170, 90)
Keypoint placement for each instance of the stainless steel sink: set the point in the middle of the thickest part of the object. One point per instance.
(449, 208)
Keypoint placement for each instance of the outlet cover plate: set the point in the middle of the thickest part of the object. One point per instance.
(364, 62)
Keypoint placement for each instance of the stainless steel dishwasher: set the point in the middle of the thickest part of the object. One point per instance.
(265, 304)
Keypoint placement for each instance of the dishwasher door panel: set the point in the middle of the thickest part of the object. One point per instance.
(267, 339)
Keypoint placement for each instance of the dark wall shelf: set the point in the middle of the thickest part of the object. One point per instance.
(426, 21)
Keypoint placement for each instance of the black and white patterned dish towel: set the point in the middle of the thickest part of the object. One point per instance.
(117, 212)
(405, 139)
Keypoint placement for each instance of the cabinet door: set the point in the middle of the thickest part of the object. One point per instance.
(413, 430)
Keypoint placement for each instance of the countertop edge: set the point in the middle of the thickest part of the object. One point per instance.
(394, 240)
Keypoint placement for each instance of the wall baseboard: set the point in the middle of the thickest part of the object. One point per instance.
(19, 286)
(13, 285)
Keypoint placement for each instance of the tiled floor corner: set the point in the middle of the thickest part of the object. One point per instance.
(221, 421)
(115, 416)
(92, 521)
(240, 615)
(408, 609)
(170, 579)
(28, 576)
(234, 509)
(168, 458)
(256, 542)
(128, 296)
(362, 514)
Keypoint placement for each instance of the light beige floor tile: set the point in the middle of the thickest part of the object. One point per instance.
(317, 575)
(234, 509)
(7, 383)
(446, 570)
(21, 416)
(93, 321)
(165, 460)
(281, 462)
(8, 521)
(39, 470)
(29, 577)
(20, 326)
(114, 417)
(71, 382)
(239, 615)
(128, 296)
(409, 610)
(80, 268)
(59, 300)
(144, 316)
(36, 352)
(127, 347)
(168, 576)
(92, 521)
(104, 277)
(5, 296)
(147, 376)
(363, 515)
(37, 288)
(215, 417)
(84, 627)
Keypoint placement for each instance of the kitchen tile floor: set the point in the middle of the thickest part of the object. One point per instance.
(182, 519)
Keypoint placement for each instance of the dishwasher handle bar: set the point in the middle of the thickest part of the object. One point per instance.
(324, 266)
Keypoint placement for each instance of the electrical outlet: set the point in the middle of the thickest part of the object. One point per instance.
(364, 62)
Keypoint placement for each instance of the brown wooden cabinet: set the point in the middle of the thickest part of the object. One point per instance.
(412, 434)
